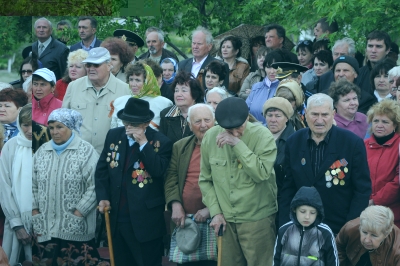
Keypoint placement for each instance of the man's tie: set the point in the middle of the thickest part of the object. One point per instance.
(41, 48)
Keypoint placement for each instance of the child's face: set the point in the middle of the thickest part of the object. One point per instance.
(306, 215)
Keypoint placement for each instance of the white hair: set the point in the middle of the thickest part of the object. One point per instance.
(27, 84)
(206, 32)
(223, 93)
(197, 106)
(45, 19)
(351, 45)
(160, 33)
(394, 72)
(319, 99)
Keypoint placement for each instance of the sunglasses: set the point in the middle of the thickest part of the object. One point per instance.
(305, 42)
(26, 71)
(89, 65)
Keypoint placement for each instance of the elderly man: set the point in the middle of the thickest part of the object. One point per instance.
(130, 178)
(87, 27)
(91, 96)
(155, 44)
(182, 192)
(346, 67)
(339, 172)
(202, 42)
(345, 46)
(237, 181)
(52, 53)
(275, 36)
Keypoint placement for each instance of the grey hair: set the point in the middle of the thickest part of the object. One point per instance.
(349, 41)
(394, 72)
(196, 106)
(221, 91)
(4, 85)
(27, 84)
(209, 37)
(377, 219)
(159, 32)
(319, 99)
(45, 19)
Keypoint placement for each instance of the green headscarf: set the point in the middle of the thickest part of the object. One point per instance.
(150, 86)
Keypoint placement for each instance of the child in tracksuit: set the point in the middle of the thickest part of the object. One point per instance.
(305, 240)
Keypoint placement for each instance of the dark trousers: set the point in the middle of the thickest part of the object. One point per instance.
(129, 251)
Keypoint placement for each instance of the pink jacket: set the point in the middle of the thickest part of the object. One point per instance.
(383, 162)
(42, 108)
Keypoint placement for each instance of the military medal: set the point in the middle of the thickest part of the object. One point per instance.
(116, 147)
(335, 181)
(303, 161)
(333, 172)
(346, 170)
(328, 184)
(116, 164)
(112, 146)
(328, 178)
(156, 146)
(108, 159)
(141, 185)
(342, 182)
(112, 164)
(134, 181)
(145, 181)
(240, 166)
(139, 175)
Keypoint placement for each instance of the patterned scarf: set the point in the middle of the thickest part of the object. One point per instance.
(150, 87)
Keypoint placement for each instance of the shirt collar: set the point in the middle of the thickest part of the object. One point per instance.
(326, 139)
(46, 43)
(90, 85)
(90, 46)
(201, 62)
(379, 97)
(268, 82)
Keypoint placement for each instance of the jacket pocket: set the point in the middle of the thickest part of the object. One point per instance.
(219, 169)
(74, 225)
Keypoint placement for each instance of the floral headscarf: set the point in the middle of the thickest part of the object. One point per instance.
(70, 118)
(150, 87)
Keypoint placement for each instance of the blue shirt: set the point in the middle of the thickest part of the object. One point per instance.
(260, 93)
(91, 46)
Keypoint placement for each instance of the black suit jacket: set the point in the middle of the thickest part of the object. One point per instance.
(342, 203)
(165, 54)
(147, 204)
(186, 65)
(77, 45)
(54, 57)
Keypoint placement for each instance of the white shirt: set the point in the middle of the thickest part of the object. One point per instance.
(196, 66)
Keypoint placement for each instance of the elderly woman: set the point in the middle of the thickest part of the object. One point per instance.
(265, 89)
(277, 112)
(345, 100)
(397, 90)
(215, 96)
(371, 239)
(16, 189)
(323, 62)
(255, 76)
(63, 206)
(170, 68)
(230, 50)
(182, 192)
(143, 85)
(11, 101)
(383, 155)
(75, 69)
(121, 55)
(187, 92)
(394, 75)
(43, 100)
(379, 79)
(291, 91)
(215, 75)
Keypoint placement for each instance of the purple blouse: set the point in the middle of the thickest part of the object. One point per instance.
(358, 126)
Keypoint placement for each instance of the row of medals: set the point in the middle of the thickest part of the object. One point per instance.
(145, 181)
(332, 175)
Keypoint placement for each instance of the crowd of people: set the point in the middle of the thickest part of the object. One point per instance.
(294, 157)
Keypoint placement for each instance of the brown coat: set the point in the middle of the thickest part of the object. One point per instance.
(237, 75)
(350, 248)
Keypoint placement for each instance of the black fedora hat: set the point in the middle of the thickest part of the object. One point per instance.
(231, 112)
(136, 111)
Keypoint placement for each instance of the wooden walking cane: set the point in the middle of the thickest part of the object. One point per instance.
(110, 246)
(220, 234)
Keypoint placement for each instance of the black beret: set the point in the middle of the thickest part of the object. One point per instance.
(231, 112)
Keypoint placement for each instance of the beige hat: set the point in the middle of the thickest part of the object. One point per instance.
(188, 238)
(279, 103)
(295, 88)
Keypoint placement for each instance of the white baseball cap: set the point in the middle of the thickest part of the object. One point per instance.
(97, 55)
(46, 74)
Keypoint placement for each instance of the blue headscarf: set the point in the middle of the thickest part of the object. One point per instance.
(171, 79)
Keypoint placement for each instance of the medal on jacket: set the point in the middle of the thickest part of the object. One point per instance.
(336, 174)
(140, 176)
(156, 146)
(113, 156)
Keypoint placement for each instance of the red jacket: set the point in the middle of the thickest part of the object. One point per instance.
(41, 109)
(383, 162)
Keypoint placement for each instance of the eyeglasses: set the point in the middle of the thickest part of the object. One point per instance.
(126, 123)
(26, 71)
(89, 65)
(305, 42)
